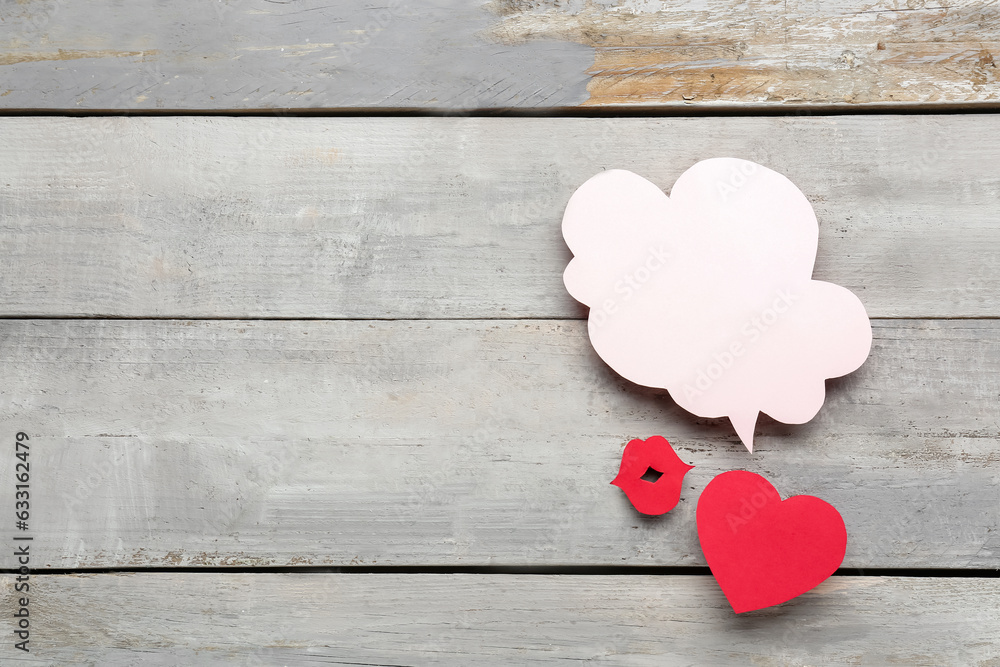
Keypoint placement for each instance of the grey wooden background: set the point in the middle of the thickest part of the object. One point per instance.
(307, 389)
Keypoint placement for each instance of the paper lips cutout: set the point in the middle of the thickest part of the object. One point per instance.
(764, 551)
(708, 293)
(648, 496)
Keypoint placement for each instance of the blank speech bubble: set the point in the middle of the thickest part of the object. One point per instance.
(708, 293)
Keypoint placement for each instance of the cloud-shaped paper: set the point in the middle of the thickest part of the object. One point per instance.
(709, 293)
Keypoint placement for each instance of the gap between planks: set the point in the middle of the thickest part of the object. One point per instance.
(574, 571)
(611, 111)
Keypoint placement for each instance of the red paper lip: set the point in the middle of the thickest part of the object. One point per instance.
(764, 550)
(657, 497)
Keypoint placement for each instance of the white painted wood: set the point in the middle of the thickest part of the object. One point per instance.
(454, 217)
(456, 54)
(115, 620)
(266, 54)
(227, 443)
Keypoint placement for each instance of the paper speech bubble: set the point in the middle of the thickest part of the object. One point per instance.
(708, 293)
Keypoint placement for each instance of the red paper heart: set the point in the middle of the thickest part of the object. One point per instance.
(651, 497)
(764, 551)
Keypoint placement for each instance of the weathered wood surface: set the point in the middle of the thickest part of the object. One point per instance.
(115, 620)
(454, 218)
(450, 54)
(228, 443)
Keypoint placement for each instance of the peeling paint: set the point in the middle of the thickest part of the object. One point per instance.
(62, 54)
(722, 51)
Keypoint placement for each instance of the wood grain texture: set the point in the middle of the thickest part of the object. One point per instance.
(420, 619)
(267, 54)
(720, 52)
(208, 443)
(454, 218)
(449, 54)
(263, 54)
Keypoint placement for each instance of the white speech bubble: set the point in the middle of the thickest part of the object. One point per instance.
(709, 293)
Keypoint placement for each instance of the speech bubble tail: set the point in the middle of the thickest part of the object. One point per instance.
(744, 425)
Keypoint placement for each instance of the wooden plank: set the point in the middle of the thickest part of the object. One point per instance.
(453, 218)
(722, 52)
(450, 54)
(424, 619)
(222, 443)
